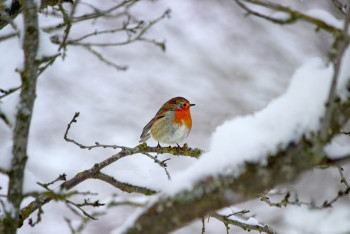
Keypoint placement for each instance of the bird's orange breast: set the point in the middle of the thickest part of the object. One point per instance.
(183, 116)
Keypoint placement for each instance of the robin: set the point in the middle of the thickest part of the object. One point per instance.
(172, 123)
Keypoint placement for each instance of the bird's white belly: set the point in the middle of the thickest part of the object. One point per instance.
(175, 135)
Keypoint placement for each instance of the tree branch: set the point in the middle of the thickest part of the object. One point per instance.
(123, 186)
(24, 115)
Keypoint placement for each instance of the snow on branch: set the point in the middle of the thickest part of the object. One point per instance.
(255, 153)
(291, 16)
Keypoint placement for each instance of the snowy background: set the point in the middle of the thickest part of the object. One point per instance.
(227, 64)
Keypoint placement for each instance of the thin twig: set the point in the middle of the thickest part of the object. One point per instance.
(160, 163)
(137, 37)
(311, 205)
(50, 60)
(8, 36)
(38, 219)
(343, 180)
(106, 61)
(97, 145)
(102, 13)
(8, 92)
(70, 203)
(125, 187)
(68, 22)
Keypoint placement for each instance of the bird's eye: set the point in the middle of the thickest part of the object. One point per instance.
(184, 105)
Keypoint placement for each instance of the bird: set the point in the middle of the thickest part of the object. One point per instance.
(172, 123)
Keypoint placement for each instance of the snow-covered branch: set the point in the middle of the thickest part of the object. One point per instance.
(291, 16)
(297, 134)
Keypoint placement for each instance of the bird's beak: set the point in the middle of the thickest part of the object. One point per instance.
(192, 104)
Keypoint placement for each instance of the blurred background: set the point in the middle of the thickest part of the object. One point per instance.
(226, 63)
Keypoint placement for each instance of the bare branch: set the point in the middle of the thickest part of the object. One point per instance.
(8, 92)
(160, 163)
(97, 145)
(38, 219)
(8, 36)
(103, 13)
(103, 59)
(343, 180)
(67, 22)
(70, 204)
(138, 37)
(125, 187)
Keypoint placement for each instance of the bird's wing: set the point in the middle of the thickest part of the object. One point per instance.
(144, 136)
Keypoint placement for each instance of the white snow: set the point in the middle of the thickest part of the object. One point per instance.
(6, 156)
(8, 106)
(130, 221)
(46, 48)
(344, 76)
(336, 150)
(230, 210)
(252, 221)
(30, 183)
(6, 3)
(304, 220)
(6, 207)
(251, 138)
(325, 17)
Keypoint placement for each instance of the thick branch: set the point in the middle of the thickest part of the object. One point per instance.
(24, 115)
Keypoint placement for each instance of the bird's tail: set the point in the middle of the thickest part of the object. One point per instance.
(145, 138)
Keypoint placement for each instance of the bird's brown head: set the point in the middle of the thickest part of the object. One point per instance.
(177, 103)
